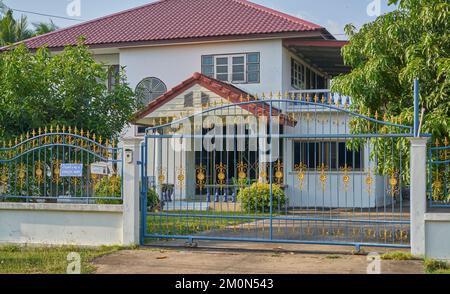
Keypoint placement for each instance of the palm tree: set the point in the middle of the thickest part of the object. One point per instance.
(44, 28)
(12, 30)
(3, 8)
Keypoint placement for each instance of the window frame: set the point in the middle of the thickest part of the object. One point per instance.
(327, 155)
(206, 67)
(310, 76)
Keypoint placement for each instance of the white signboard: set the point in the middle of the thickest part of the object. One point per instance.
(99, 169)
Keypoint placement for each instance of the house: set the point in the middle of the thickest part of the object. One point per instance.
(183, 56)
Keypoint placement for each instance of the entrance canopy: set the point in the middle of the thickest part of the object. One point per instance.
(323, 54)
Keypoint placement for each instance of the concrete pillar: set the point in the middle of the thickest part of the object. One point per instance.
(418, 194)
(131, 211)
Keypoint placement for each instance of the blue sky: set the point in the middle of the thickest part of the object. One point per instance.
(332, 14)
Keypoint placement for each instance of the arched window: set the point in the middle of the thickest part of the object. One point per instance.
(149, 89)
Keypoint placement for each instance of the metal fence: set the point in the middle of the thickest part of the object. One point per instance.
(316, 172)
(439, 175)
(63, 165)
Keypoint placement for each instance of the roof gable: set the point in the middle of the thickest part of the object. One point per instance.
(222, 89)
(167, 20)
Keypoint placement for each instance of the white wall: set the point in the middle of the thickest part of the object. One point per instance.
(61, 224)
(174, 64)
(335, 193)
(437, 235)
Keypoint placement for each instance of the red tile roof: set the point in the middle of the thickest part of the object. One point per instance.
(222, 89)
(170, 20)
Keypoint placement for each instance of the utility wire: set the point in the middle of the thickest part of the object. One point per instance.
(48, 15)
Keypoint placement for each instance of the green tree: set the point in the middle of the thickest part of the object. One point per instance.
(386, 55)
(44, 28)
(13, 30)
(39, 89)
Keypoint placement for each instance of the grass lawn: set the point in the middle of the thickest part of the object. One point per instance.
(436, 267)
(184, 223)
(47, 260)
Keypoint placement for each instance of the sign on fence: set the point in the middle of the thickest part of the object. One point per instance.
(99, 169)
(71, 170)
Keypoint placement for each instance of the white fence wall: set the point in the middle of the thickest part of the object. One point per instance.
(61, 224)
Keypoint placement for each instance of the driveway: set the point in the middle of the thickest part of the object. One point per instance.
(260, 259)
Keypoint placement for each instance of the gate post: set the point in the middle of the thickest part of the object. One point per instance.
(418, 194)
(131, 195)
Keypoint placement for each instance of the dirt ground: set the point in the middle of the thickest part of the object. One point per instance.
(243, 258)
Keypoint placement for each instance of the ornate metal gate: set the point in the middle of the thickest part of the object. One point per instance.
(31, 167)
(299, 169)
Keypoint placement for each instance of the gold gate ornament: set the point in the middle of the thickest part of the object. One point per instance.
(323, 177)
(279, 175)
(221, 174)
(181, 177)
(346, 177)
(301, 170)
(201, 177)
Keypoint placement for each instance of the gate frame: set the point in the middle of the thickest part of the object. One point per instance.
(417, 191)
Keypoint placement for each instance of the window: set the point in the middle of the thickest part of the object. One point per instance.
(297, 75)
(149, 89)
(189, 100)
(236, 68)
(304, 78)
(113, 76)
(334, 155)
(140, 130)
(205, 99)
(253, 67)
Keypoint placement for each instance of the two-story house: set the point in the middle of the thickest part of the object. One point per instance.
(181, 55)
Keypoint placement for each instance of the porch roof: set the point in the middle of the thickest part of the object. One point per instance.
(323, 54)
(222, 89)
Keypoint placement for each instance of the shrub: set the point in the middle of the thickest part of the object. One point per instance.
(108, 187)
(153, 201)
(257, 197)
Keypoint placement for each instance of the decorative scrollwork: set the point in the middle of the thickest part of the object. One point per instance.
(221, 174)
(161, 176)
(21, 174)
(201, 177)
(301, 172)
(4, 175)
(56, 171)
(39, 172)
(369, 181)
(323, 177)
(393, 183)
(242, 170)
(263, 172)
(181, 177)
(279, 175)
(346, 177)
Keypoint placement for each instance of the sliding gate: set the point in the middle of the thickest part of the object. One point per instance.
(304, 169)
